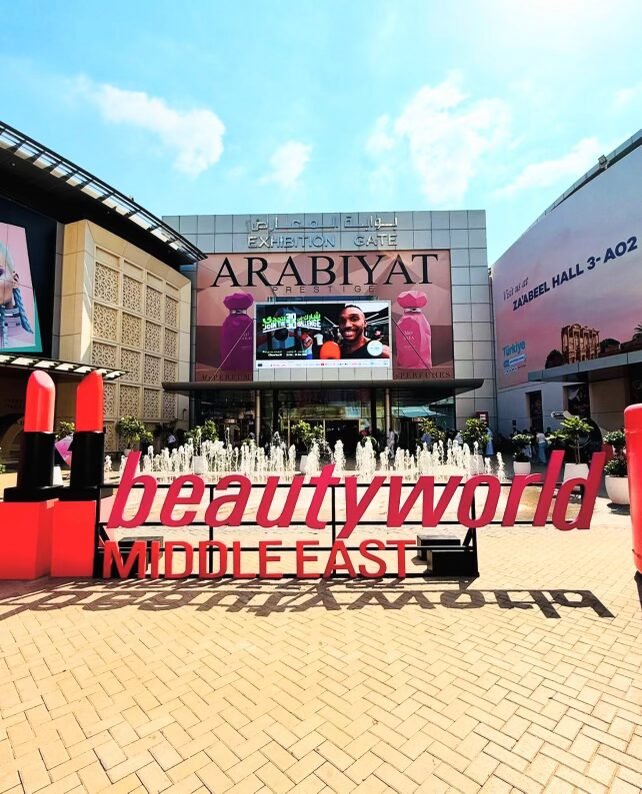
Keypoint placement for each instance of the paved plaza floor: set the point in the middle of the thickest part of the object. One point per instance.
(526, 679)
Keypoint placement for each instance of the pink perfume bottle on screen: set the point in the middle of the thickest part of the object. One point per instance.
(413, 335)
(236, 333)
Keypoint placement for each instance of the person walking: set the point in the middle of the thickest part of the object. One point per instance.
(541, 446)
(490, 451)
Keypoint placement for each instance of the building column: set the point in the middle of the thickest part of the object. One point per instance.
(257, 415)
(373, 410)
(387, 413)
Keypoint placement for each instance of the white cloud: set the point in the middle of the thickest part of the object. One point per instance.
(625, 96)
(288, 162)
(195, 136)
(381, 139)
(447, 136)
(549, 172)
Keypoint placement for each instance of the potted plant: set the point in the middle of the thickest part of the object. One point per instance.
(303, 433)
(476, 432)
(130, 429)
(195, 435)
(146, 440)
(209, 431)
(521, 459)
(431, 427)
(575, 433)
(616, 470)
(617, 440)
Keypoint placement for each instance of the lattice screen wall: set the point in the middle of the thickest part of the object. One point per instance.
(135, 325)
(127, 316)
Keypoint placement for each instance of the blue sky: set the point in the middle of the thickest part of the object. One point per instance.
(251, 107)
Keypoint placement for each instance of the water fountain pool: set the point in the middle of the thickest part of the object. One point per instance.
(216, 459)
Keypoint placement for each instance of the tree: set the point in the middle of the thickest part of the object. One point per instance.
(130, 429)
(431, 427)
(475, 431)
(306, 435)
(575, 432)
(209, 431)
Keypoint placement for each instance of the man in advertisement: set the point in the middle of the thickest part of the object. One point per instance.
(352, 325)
(323, 332)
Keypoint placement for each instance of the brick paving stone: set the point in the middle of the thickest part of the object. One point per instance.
(153, 778)
(93, 777)
(176, 687)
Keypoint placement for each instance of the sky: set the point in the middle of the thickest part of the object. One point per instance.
(207, 107)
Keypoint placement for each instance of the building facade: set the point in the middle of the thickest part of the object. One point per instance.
(273, 343)
(89, 280)
(567, 298)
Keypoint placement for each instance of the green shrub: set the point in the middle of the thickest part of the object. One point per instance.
(615, 438)
(520, 442)
(617, 467)
(209, 431)
(130, 429)
(65, 429)
(475, 430)
(431, 427)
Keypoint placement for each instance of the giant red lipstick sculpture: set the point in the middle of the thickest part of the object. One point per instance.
(633, 432)
(74, 539)
(27, 510)
(87, 460)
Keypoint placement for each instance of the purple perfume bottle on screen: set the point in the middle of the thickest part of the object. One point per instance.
(236, 333)
(413, 335)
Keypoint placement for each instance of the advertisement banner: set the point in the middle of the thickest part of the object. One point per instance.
(569, 289)
(401, 316)
(322, 334)
(19, 326)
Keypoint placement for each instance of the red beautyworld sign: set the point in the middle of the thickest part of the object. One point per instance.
(230, 510)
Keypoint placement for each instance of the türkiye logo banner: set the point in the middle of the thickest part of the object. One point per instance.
(401, 305)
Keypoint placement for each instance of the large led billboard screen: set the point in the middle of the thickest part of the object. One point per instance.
(404, 297)
(569, 289)
(323, 334)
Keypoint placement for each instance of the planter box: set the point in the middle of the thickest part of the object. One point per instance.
(521, 468)
(478, 464)
(57, 476)
(617, 489)
(199, 464)
(303, 463)
(572, 470)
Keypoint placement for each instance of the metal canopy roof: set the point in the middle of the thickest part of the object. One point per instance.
(32, 361)
(45, 181)
(605, 368)
(458, 385)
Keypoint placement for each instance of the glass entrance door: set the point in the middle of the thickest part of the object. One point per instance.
(344, 430)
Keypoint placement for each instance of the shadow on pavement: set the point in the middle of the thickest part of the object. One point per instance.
(263, 598)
